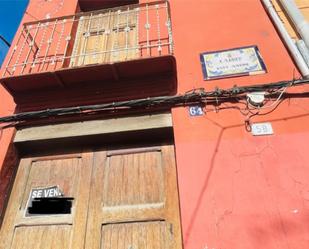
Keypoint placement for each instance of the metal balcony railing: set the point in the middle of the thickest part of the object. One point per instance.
(101, 37)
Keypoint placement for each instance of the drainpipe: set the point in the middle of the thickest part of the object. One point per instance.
(300, 62)
(297, 18)
(303, 50)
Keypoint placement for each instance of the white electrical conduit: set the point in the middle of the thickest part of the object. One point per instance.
(303, 50)
(300, 62)
(297, 18)
(301, 26)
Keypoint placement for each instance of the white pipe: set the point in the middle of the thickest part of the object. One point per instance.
(297, 18)
(303, 50)
(302, 66)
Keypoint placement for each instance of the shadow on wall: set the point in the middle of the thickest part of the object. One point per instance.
(280, 229)
(281, 226)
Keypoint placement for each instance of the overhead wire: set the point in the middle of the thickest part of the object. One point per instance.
(5, 41)
(195, 96)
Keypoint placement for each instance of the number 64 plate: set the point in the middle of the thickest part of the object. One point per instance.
(261, 129)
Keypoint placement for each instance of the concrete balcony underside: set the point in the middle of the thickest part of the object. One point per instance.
(94, 83)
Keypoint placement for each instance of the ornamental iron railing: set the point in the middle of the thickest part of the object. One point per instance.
(105, 36)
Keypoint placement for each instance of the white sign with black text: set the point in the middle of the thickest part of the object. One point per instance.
(47, 192)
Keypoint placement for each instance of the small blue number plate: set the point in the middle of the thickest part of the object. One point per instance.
(196, 111)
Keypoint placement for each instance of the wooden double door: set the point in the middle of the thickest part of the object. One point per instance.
(123, 199)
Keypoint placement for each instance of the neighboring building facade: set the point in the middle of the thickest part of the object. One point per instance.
(152, 176)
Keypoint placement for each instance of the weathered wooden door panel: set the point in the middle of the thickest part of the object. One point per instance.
(72, 175)
(149, 234)
(91, 39)
(60, 172)
(106, 37)
(47, 237)
(133, 179)
(124, 36)
(134, 192)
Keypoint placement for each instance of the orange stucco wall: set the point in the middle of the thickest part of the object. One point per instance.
(236, 191)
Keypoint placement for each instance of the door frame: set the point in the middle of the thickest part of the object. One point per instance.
(153, 128)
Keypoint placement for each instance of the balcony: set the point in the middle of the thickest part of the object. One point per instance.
(104, 55)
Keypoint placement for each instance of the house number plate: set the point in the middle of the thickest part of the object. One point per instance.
(196, 111)
(262, 129)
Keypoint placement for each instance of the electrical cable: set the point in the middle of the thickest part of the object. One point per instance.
(5, 41)
(195, 96)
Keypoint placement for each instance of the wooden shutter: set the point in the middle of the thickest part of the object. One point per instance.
(106, 37)
(72, 175)
(124, 36)
(134, 200)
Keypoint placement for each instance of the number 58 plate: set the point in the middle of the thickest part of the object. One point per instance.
(262, 129)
